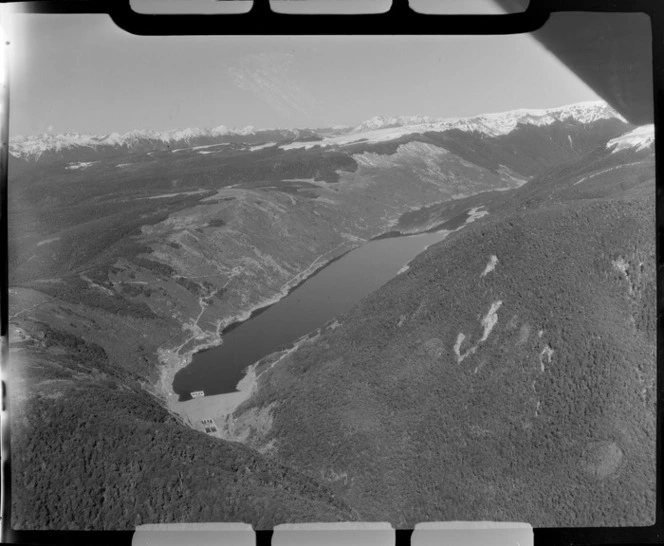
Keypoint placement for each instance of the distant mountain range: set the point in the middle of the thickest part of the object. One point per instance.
(507, 374)
(379, 128)
(499, 123)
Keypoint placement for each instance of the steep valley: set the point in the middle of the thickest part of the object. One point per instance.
(125, 261)
(516, 381)
(116, 281)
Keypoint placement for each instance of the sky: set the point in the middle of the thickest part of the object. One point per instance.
(80, 73)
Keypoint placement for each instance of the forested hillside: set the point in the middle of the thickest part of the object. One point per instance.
(91, 449)
(508, 373)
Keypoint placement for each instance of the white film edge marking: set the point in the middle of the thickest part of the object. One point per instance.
(472, 533)
(194, 534)
(334, 534)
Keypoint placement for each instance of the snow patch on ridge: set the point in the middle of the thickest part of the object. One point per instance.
(380, 129)
(32, 147)
(262, 146)
(640, 138)
(82, 165)
(377, 129)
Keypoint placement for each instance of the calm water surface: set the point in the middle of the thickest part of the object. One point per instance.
(332, 291)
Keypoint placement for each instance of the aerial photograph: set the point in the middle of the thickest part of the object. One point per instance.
(273, 279)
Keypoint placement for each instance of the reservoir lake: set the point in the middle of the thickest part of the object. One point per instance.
(328, 293)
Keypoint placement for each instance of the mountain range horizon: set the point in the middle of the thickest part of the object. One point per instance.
(507, 371)
(378, 118)
(32, 146)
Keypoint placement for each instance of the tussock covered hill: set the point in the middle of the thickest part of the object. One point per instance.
(509, 374)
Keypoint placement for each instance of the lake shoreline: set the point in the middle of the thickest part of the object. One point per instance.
(265, 307)
(226, 403)
(220, 407)
(172, 362)
(239, 320)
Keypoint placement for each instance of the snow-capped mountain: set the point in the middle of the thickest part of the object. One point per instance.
(382, 122)
(34, 147)
(380, 129)
(639, 139)
(499, 123)
(376, 129)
